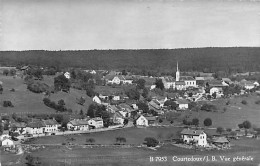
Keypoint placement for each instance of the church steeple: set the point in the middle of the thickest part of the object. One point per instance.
(177, 73)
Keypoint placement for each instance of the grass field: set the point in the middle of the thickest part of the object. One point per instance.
(235, 112)
(27, 101)
(117, 156)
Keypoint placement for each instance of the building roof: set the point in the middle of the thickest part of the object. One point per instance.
(182, 101)
(97, 119)
(169, 79)
(199, 78)
(50, 122)
(154, 105)
(215, 83)
(150, 118)
(179, 83)
(191, 132)
(78, 122)
(186, 78)
(226, 80)
(220, 140)
(36, 124)
(18, 124)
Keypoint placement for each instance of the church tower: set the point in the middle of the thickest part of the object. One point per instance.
(177, 73)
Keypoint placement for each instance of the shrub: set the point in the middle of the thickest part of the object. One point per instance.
(257, 102)
(8, 104)
(208, 107)
(37, 87)
(207, 122)
(220, 130)
(244, 102)
(151, 142)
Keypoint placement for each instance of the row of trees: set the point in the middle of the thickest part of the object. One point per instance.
(10, 72)
(60, 107)
(95, 110)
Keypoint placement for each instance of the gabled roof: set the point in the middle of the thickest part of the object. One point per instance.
(179, 83)
(50, 122)
(97, 119)
(18, 124)
(186, 78)
(169, 79)
(36, 124)
(150, 118)
(182, 101)
(125, 106)
(191, 132)
(154, 105)
(220, 140)
(78, 122)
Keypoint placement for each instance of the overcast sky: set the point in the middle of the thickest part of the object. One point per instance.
(127, 24)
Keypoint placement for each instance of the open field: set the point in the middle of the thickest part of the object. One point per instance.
(113, 156)
(27, 101)
(235, 112)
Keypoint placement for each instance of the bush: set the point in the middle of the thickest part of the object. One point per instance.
(244, 102)
(208, 107)
(151, 142)
(8, 104)
(257, 102)
(37, 87)
(207, 122)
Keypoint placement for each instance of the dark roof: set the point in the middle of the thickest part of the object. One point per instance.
(50, 122)
(179, 83)
(154, 105)
(18, 125)
(220, 140)
(36, 124)
(182, 101)
(150, 118)
(191, 132)
(78, 122)
(186, 78)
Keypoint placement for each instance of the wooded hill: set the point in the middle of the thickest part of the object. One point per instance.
(236, 59)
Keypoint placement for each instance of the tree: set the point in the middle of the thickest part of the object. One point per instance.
(1, 89)
(120, 140)
(244, 102)
(160, 120)
(5, 72)
(81, 101)
(125, 121)
(124, 72)
(12, 72)
(172, 104)
(90, 140)
(247, 124)
(143, 106)
(133, 94)
(151, 142)
(207, 122)
(61, 102)
(90, 91)
(159, 84)
(140, 84)
(7, 104)
(145, 93)
(195, 121)
(61, 83)
(214, 95)
(220, 130)
(32, 161)
(91, 111)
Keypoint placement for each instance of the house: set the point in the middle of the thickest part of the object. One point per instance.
(247, 84)
(97, 99)
(256, 84)
(116, 97)
(118, 79)
(141, 121)
(117, 118)
(199, 137)
(151, 119)
(221, 141)
(18, 127)
(78, 124)
(189, 81)
(217, 90)
(51, 125)
(35, 127)
(125, 107)
(67, 75)
(7, 142)
(96, 123)
(4, 136)
(112, 108)
(182, 103)
(154, 104)
(227, 80)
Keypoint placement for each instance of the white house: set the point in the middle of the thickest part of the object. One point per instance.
(199, 137)
(256, 83)
(78, 124)
(35, 127)
(67, 75)
(51, 125)
(96, 99)
(117, 118)
(4, 136)
(116, 97)
(7, 142)
(141, 121)
(183, 104)
(96, 122)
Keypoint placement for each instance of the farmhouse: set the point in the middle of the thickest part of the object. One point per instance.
(97, 99)
(221, 141)
(35, 127)
(18, 127)
(118, 79)
(78, 124)
(194, 136)
(247, 84)
(7, 142)
(96, 123)
(183, 104)
(117, 118)
(141, 121)
(51, 125)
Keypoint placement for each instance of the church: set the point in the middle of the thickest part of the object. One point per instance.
(180, 82)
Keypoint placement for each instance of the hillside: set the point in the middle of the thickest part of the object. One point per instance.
(237, 59)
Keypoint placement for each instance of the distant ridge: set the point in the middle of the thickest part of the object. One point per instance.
(190, 59)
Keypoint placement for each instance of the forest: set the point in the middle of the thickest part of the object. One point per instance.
(230, 59)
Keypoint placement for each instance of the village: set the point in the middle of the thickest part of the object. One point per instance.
(127, 101)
